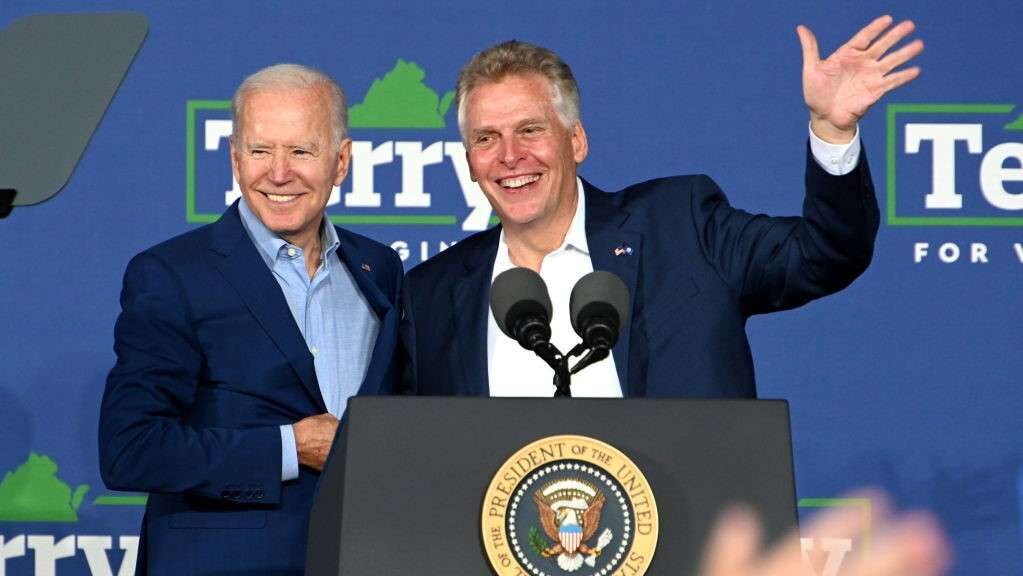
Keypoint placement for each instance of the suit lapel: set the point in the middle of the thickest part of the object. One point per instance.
(365, 280)
(470, 305)
(246, 271)
(613, 248)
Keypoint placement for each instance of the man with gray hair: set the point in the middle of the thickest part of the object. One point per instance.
(696, 268)
(239, 343)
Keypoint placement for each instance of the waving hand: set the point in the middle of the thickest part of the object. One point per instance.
(840, 89)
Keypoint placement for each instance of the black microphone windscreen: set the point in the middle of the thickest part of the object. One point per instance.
(599, 287)
(518, 286)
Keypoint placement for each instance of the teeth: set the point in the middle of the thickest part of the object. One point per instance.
(519, 181)
(279, 197)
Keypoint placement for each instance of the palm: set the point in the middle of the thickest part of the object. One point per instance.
(840, 89)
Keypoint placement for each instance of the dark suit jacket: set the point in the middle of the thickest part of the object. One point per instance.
(210, 363)
(698, 269)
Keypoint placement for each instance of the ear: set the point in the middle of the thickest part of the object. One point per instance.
(580, 146)
(344, 159)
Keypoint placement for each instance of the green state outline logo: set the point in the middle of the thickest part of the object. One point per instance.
(892, 218)
(33, 491)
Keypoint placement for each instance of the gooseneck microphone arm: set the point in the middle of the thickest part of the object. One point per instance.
(593, 356)
(559, 362)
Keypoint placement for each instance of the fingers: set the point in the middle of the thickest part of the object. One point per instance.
(842, 522)
(866, 36)
(314, 437)
(913, 544)
(734, 543)
(906, 544)
(811, 54)
(892, 37)
(896, 79)
(902, 55)
(785, 559)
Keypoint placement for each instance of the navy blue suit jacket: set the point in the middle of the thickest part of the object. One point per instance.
(698, 269)
(210, 362)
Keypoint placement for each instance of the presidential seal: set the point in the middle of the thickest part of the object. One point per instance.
(569, 505)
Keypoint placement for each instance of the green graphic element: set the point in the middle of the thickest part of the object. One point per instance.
(862, 503)
(191, 107)
(33, 493)
(401, 100)
(894, 110)
(1016, 124)
(121, 500)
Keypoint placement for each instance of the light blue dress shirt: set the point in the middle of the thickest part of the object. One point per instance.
(338, 324)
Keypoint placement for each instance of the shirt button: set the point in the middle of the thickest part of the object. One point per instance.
(291, 252)
(315, 350)
(834, 160)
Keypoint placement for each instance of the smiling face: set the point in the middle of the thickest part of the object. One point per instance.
(284, 161)
(521, 154)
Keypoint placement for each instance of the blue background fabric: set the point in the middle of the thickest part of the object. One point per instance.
(908, 379)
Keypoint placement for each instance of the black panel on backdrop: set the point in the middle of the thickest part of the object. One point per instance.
(60, 72)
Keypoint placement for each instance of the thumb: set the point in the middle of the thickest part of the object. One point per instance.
(811, 54)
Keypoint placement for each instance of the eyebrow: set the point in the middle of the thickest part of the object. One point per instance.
(520, 124)
(529, 121)
(303, 145)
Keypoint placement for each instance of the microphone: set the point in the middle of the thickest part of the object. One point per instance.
(599, 307)
(522, 307)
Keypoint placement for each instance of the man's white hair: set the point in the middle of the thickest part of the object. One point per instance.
(295, 76)
(515, 58)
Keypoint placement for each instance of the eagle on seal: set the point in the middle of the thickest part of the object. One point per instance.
(571, 524)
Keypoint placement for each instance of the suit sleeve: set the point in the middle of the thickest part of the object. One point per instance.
(777, 263)
(407, 341)
(403, 360)
(144, 442)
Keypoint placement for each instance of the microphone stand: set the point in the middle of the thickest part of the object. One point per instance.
(559, 363)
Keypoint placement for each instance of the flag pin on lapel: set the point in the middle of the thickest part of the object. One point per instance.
(623, 249)
(366, 267)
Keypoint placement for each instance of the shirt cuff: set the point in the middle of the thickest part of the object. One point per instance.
(289, 454)
(836, 159)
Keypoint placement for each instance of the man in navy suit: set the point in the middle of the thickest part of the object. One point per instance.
(240, 342)
(696, 267)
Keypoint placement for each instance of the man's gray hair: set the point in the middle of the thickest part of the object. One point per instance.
(515, 58)
(295, 76)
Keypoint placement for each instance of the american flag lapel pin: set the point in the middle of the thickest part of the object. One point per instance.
(366, 267)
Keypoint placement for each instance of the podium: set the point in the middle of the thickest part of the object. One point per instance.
(414, 484)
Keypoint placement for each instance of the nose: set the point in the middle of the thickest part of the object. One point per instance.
(280, 169)
(512, 151)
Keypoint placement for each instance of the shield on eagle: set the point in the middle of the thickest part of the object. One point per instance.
(571, 537)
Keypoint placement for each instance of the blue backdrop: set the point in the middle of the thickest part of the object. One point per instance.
(909, 379)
